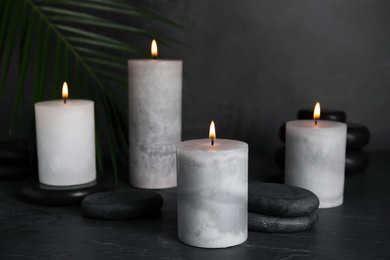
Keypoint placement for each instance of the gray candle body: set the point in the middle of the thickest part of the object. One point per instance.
(155, 94)
(315, 159)
(212, 193)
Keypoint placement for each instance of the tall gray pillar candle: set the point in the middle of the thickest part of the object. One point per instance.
(155, 94)
(315, 158)
(212, 192)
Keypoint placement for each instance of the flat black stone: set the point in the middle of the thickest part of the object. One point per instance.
(275, 199)
(356, 161)
(326, 114)
(121, 204)
(358, 136)
(11, 172)
(35, 192)
(270, 224)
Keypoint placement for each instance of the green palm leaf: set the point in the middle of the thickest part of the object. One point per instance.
(63, 39)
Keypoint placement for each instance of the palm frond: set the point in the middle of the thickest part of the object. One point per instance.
(64, 40)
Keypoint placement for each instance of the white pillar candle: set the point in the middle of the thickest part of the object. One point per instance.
(212, 192)
(65, 142)
(315, 158)
(155, 91)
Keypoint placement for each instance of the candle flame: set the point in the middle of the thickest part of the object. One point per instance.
(153, 49)
(317, 112)
(212, 134)
(65, 92)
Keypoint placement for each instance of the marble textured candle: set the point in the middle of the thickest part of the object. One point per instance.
(212, 192)
(65, 142)
(155, 91)
(315, 158)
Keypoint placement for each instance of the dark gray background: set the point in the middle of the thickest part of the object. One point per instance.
(252, 65)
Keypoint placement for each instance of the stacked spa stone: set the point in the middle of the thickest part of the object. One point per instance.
(358, 136)
(16, 161)
(280, 208)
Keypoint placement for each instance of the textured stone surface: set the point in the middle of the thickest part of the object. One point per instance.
(281, 200)
(263, 223)
(121, 204)
(35, 192)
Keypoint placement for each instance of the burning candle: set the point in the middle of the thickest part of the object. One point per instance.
(212, 191)
(155, 91)
(315, 157)
(65, 141)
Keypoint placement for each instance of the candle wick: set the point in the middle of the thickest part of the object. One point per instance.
(64, 100)
(212, 141)
(315, 122)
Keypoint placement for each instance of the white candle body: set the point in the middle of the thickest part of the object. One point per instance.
(315, 158)
(155, 93)
(212, 192)
(65, 142)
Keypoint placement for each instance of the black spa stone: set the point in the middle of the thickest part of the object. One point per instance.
(13, 156)
(263, 223)
(35, 192)
(280, 157)
(121, 204)
(8, 172)
(356, 161)
(11, 153)
(282, 133)
(281, 200)
(358, 136)
(326, 114)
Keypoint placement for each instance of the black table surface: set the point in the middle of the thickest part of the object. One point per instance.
(359, 229)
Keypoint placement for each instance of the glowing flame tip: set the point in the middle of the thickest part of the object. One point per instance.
(65, 92)
(317, 111)
(153, 49)
(212, 134)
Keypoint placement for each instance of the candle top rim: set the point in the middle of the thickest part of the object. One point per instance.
(204, 145)
(153, 60)
(309, 123)
(60, 103)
